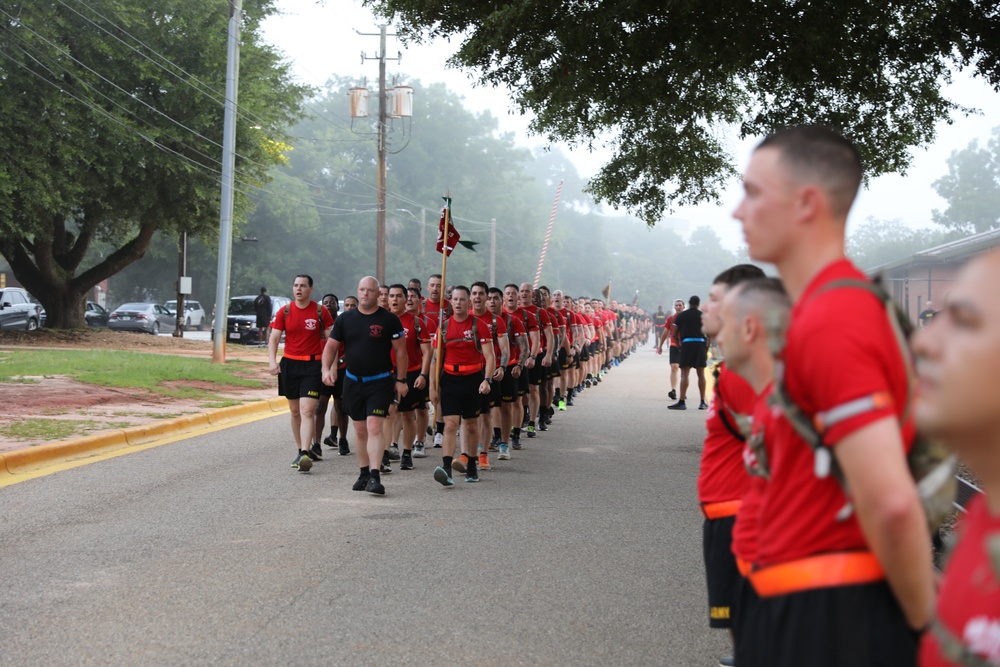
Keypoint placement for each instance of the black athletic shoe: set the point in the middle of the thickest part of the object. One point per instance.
(329, 441)
(316, 452)
(345, 449)
(406, 463)
(672, 395)
(679, 405)
(362, 483)
(703, 406)
(375, 486)
(542, 425)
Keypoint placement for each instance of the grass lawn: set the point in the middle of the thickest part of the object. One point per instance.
(126, 370)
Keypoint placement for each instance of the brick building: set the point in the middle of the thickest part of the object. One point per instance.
(926, 275)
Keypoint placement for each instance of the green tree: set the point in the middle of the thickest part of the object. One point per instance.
(112, 132)
(878, 242)
(666, 84)
(972, 188)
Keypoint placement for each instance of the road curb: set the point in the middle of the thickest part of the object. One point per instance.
(20, 461)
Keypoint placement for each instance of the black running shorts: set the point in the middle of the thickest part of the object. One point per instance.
(747, 619)
(675, 354)
(369, 399)
(563, 359)
(300, 379)
(694, 355)
(537, 373)
(460, 395)
(830, 627)
(523, 383)
(720, 569)
(508, 386)
(414, 398)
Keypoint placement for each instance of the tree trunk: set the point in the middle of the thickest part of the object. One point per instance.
(64, 309)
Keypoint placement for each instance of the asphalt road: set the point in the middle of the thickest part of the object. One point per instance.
(585, 549)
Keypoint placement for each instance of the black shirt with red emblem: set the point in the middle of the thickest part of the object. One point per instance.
(368, 339)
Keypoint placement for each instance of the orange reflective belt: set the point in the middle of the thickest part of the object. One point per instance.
(720, 510)
(824, 571)
(312, 357)
(744, 566)
(463, 369)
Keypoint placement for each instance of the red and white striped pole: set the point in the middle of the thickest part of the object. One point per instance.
(548, 234)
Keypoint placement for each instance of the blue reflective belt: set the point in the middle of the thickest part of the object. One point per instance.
(370, 378)
(693, 340)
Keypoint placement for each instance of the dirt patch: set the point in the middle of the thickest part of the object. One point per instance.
(95, 408)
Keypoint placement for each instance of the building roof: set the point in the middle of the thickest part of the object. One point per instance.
(958, 251)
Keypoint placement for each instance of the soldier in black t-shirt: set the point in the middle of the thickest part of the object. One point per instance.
(262, 308)
(369, 333)
(694, 352)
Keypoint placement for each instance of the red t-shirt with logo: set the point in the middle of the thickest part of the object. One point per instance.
(746, 527)
(827, 365)
(414, 354)
(501, 330)
(544, 321)
(722, 476)
(460, 345)
(515, 331)
(303, 329)
(968, 603)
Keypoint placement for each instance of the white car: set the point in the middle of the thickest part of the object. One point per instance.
(194, 314)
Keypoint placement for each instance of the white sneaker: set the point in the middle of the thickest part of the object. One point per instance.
(438, 439)
(504, 454)
(418, 451)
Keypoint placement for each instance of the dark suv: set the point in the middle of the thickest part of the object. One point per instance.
(17, 311)
(241, 324)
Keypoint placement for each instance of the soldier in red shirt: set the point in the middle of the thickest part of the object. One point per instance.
(843, 580)
(306, 325)
(741, 321)
(511, 296)
(501, 353)
(467, 365)
(517, 345)
(418, 348)
(958, 362)
(539, 371)
(722, 479)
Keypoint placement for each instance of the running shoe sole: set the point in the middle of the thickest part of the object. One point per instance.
(442, 477)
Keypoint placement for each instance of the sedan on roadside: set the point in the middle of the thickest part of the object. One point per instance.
(143, 317)
(17, 310)
(96, 315)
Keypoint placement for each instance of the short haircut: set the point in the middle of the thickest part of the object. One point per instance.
(415, 290)
(401, 288)
(495, 290)
(334, 296)
(457, 288)
(436, 275)
(481, 283)
(767, 298)
(694, 301)
(516, 288)
(350, 298)
(417, 281)
(735, 275)
(306, 276)
(263, 290)
(821, 156)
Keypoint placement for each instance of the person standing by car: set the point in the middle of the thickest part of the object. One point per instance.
(262, 307)
(307, 326)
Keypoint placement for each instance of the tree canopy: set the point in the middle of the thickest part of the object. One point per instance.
(668, 86)
(112, 131)
(972, 188)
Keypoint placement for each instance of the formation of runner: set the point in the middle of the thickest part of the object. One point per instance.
(817, 546)
(493, 369)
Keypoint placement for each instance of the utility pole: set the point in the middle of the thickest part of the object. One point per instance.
(380, 197)
(228, 173)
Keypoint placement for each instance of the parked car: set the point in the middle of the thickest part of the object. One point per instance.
(194, 314)
(95, 314)
(17, 311)
(145, 317)
(241, 324)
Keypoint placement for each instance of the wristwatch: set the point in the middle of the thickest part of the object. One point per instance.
(403, 380)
